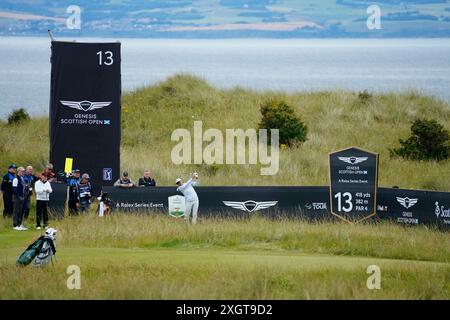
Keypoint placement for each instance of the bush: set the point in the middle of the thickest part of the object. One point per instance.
(428, 141)
(18, 116)
(364, 97)
(276, 114)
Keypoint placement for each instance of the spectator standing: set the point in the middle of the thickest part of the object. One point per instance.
(124, 182)
(19, 199)
(48, 171)
(43, 189)
(72, 183)
(29, 180)
(84, 191)
(147, 180)
(7, 191)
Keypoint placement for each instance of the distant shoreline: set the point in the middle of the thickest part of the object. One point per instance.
(284, 65)
(131, 37)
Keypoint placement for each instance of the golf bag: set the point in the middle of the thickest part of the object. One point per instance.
(46, 254)
(41, 251)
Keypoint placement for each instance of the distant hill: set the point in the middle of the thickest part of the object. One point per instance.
(227, 18)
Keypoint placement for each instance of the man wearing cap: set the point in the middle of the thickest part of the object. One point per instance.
(19, 199)
(7, 190)
(72, 183)
(124, 182)
(190, 196)
(84, 191)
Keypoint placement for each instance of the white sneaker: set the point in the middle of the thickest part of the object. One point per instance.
(23, 228)
(17, 228)
(38, 228)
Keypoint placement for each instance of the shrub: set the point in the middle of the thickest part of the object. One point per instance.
(428, 141)
(364, 97)
(277, 114)
(18, 116)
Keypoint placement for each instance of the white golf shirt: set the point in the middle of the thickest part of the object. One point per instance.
(40, 187)
(187, 189)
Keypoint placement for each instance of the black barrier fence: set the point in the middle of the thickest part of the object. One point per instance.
(310, 202)
(57, 202)
(402, 206)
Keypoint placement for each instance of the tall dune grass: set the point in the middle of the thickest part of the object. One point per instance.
(381, 240)
(335, 120)
(159, 257)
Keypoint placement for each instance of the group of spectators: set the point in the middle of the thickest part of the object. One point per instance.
(145, 181)
(17, 188)
(19, 183)
(80, 192)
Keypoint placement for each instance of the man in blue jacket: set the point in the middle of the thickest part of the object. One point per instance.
(72, 182)
(19, 199)
(7, 191)
(29, 179)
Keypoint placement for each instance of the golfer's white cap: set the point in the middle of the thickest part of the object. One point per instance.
(178, 180)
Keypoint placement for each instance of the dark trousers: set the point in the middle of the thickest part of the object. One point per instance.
(27, 207)
(73, 210)
(41, 212)
(8, 206)
(18, 210)
(84, 207)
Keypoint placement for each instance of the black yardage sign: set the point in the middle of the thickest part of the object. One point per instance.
(353, 184)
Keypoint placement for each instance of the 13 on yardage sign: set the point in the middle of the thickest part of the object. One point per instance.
(353, 184)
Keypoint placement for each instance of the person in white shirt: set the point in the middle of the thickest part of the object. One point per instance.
(42, 189)
(191, 198)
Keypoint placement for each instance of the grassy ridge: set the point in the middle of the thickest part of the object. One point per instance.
(132, 256)
(335, 120)
(162, 257)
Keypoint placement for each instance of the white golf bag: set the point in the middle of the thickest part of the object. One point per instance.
(48, 250)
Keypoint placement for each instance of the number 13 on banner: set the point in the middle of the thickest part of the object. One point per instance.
(105, 58)
(345, 197)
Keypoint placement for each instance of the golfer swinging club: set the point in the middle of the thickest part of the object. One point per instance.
(187, 189)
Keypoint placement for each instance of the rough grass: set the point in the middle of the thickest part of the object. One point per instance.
(335, 120)
(159, 257)
(143, 257)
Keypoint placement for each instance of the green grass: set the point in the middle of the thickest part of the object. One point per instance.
(335, 120)
(159, 257)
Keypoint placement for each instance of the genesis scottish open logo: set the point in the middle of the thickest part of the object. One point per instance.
(407, 202)
(85, 117)
(85, 105)
(353, 160)
(250, 205)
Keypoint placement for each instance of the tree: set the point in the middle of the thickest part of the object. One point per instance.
(277, 114)
(428, 141)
